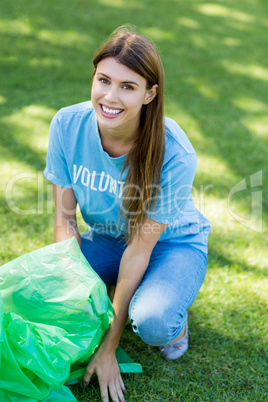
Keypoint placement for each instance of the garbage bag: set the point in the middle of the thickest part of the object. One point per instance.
(54, 311)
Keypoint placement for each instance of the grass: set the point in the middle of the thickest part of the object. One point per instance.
(216, 65)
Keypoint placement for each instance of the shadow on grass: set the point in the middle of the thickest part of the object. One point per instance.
(221, 260)
(12, 148)
(217, 51)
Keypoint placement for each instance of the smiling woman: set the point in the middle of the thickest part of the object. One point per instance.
(120, 97)
(131, 172)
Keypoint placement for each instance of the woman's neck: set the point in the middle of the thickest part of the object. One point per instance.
(115, 143)
(115, 147)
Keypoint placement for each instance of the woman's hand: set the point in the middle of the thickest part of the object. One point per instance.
(105, 365)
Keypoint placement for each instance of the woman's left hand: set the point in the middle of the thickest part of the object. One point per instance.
(105, 365)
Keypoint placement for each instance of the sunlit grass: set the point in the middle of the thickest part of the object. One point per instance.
(188, 22)
(15, 26)
(250, 70)
(217, 10)
(157, 34)
(216, 77)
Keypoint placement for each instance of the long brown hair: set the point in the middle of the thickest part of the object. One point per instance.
(146, 157)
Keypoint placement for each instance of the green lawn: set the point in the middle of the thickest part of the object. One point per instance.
(215, 59)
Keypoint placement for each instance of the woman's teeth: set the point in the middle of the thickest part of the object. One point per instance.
(110, 111)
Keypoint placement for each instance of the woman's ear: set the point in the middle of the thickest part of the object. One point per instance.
(150, 94)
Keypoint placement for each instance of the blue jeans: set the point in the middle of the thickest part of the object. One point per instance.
(158, 308)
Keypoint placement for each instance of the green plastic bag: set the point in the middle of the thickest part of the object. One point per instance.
(54, 311)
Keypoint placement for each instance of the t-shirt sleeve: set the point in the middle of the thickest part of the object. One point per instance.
(56, 169)
(177, 177)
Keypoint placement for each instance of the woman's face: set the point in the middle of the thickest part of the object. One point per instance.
(118, 94)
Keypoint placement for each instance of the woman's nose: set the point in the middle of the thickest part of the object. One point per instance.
(112, 94)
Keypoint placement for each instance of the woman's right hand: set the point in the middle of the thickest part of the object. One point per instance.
(105, 365)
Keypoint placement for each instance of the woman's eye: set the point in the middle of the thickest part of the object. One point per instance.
(130, 87)
(104, 81)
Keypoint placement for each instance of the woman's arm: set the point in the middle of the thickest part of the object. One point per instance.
(65, 224)
(133, 265)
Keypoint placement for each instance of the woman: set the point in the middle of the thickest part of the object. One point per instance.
(130, 170)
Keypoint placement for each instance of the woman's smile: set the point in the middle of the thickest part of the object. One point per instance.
(110, 112)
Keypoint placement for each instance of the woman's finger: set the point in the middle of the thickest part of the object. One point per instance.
(122, 383)
(113, 393)
(104, 392)
(87, 376)
(119, 391)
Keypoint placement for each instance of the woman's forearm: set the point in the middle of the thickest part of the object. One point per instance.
(132, 269)
(65, 224)
(66, 229)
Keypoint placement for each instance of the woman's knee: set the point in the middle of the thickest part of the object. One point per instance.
(155, 324)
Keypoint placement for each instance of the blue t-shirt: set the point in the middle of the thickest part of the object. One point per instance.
(76, 159)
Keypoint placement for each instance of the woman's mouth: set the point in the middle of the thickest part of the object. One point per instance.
(110, 112)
